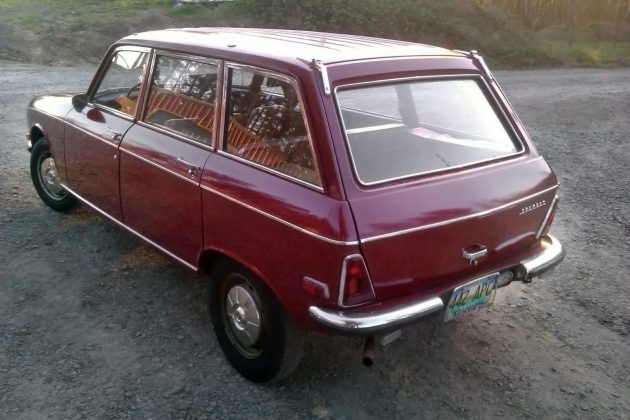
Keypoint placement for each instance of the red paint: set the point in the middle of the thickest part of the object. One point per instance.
(258, 218)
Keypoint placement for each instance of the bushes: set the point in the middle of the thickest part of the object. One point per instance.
(393, 18)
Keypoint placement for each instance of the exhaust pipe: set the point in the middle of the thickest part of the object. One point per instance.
(369, 351)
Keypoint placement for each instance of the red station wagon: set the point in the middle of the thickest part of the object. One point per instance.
(329, 182)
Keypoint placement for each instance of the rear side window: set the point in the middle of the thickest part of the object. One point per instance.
(119, 87)
(266, 125)
(182, 97)
(404, 129)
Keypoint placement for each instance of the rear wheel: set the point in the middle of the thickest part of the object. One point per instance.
(257, 337)
(46, 179)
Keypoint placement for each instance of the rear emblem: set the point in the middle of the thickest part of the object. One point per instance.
(531, 207)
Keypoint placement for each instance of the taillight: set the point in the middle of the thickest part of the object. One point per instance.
(546, 224)
(355, 287)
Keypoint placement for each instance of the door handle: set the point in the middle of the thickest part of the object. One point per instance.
(116, 136)
(473, 256)
(191, 167)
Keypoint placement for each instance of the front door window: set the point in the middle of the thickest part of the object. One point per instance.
(119, 88)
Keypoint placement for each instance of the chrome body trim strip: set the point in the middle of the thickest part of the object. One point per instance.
(375, 322)
(148, 161)
(495, 104)
(279, 220)
(550, 210)
(121, 224)
(456, 219)
(552, 254)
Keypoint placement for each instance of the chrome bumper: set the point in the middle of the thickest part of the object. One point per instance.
(29, 142)
(548, 258)
(368, 323)
(375, 322)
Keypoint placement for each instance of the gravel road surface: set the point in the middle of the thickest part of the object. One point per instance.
(95, 324)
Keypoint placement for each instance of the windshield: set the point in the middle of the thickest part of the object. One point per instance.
(403, 129)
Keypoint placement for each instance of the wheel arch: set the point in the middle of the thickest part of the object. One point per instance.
(210, 256)
(37, 133)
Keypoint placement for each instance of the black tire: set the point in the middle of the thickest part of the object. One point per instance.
(278, 349)
(61, 200)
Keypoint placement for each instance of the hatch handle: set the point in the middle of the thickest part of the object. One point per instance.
(474, 252)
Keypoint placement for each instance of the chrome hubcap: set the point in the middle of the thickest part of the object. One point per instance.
(50, 178)
(243, 317)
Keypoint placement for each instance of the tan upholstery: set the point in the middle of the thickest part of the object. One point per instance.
(201, 113)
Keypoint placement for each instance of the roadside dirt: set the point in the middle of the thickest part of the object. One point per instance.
(94, 324)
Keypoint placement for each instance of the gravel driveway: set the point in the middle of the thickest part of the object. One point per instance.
(95, 324)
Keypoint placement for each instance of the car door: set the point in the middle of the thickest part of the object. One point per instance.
(94, 133)
(162, 156)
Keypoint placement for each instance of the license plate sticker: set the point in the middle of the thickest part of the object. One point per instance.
(471, 296)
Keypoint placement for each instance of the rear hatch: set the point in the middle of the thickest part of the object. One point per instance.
(443, 175)
(413, 238)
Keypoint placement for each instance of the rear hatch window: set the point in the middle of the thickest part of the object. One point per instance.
(407, 128)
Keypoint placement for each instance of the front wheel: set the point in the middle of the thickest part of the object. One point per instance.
(257, 337)
(46, 179)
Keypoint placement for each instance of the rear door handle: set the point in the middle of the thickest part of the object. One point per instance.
(191, 167)
(116, 136)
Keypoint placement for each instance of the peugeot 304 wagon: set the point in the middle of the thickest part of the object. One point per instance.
(325, 182)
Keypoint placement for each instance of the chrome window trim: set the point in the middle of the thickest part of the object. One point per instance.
(457, 219)
(174, 135)
(270, 170)
(279, 220)
(554, 202)
(150, 162)
(129, 229)
(103, 70)
(147, 91)
(230, 65)
(189, 57)
(342, 281)
(495, 104)
(220, 107)
(112, 111)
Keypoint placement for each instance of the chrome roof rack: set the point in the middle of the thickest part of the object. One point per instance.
(322, 69)
(477, 59)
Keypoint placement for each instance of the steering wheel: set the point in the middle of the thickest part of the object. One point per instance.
(133, 89)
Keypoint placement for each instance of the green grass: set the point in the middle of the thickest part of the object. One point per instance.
(597, 54)
(71, 31)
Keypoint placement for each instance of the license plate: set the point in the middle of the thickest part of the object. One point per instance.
(472, 295)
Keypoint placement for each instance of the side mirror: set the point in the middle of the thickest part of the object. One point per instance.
(79, 101)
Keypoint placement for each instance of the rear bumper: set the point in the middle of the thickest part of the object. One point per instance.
(374, 322)
(552, 253)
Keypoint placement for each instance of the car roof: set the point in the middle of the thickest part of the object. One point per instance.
(290, 45)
